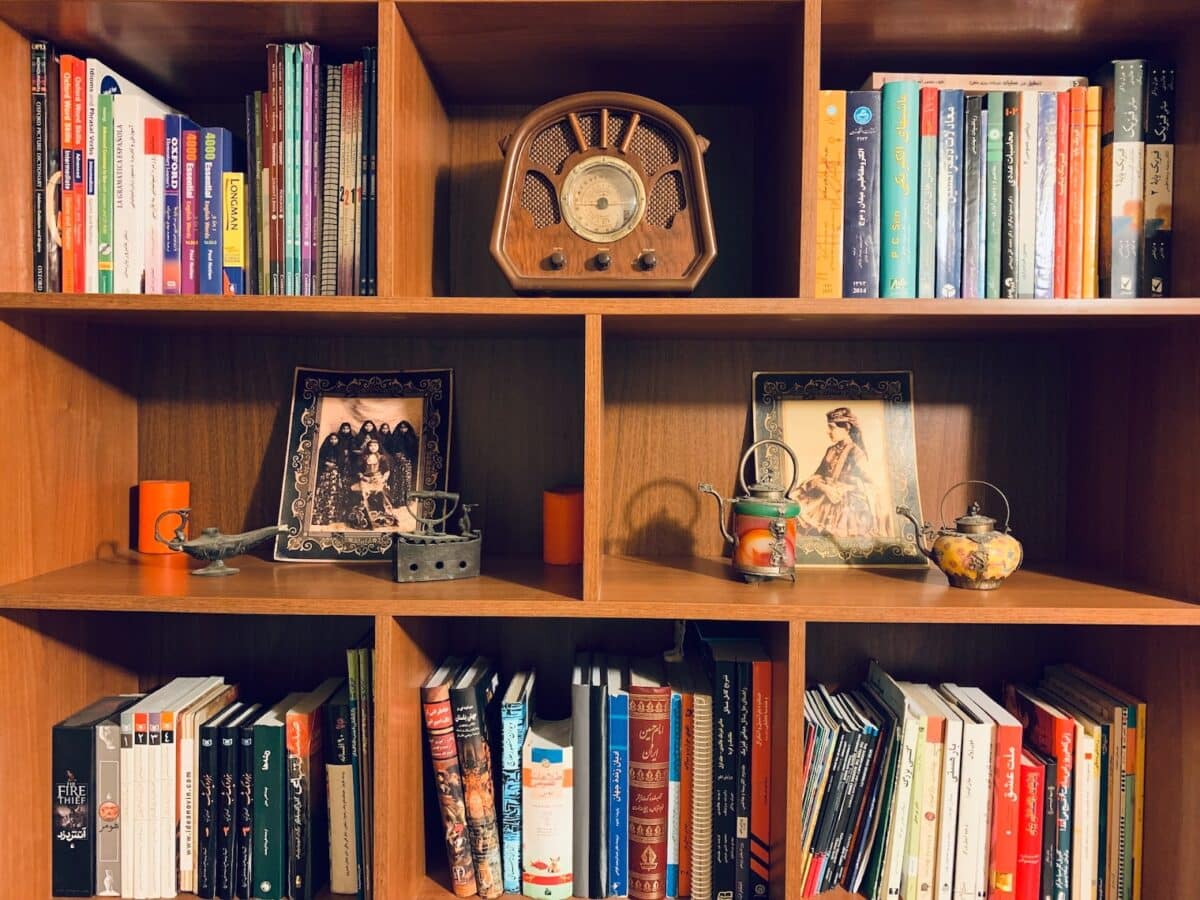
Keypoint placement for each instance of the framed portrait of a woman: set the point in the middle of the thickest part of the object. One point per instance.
(853, 436)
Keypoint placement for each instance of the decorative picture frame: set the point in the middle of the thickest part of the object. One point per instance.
(358, 444)
(857, 429)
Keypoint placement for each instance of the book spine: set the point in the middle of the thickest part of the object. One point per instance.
(275, 164)
(107, 798)
(618, 794)
(973, 199)
(330, 194)
(306, 168)
(674, 794)
(649, 762)
(207, 805)
(269, 863)
(1077, 102)
(1092, 181)
(356, 182)
(1027, 192)
(994, 185)
(67, 206)
(1002, 866)
(949, 195)
(295, 106)
(597, 859)
(372, 174)
(1122, 163)
(317, 142)
(724, 778)
(1064, 756)
(831, 161)
(1061, 184)
(354, 682)
(702, 800)
(299, 808)
(243, 880)
(152, 858)
(760, 781)
(263, 173)
(172, 236)
(345, 262)
(154, 146)
(860, 227)
(212, 167)
(1044, 195)
(687, 790)
(104, 192)
(931, 761)
(513, 722)
(290, 215)
(547, 777)
(77, 234)
(73, 850)
(189, 212)
(1159, 179)
(233, 240)
(339, 782)
(581, 814)
(928, 215)
(1049, 832)
(250, 228)
(1009, 196)
(364, 162)
(1029, 840)
(227, 803)
(742, 739)
(898, 194)
(39, 112)
(91, 277)
(474, 753)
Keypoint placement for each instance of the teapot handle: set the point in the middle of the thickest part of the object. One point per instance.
(183, 514)
(1007, 508)
(762, 443)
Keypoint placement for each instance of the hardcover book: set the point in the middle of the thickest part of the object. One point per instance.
(308, 823)
(515, 711)
(443, 754)
(547, 776)
(1029, 840)
(928, 215)
(1122, 172)
(898, 191)
(702, 794)
(994, 188)
(339, 783)
(1061, 185)
(1077, 102)
(211, 785)
(674, 788)
(860, 226)
(228, 799)
(649, 769)
(1027, 193)
(1009, 196)
(1159, 133)
(471, 698)
(949, 194)
(216, 156)
(831, 161)
(618, 776)
(974, 199)
(269, 864)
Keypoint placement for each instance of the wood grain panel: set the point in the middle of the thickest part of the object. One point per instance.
(810, 80)
(787, 765)
(594, 488)
(215, 409)
(678, 412)
(16, 206)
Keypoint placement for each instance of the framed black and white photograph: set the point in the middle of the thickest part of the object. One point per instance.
(359, 445)
(853, 435)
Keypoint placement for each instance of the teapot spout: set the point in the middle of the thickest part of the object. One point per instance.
(924, 533)
(706, 488)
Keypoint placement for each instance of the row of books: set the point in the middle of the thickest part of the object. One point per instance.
(985, 186)
(189, 788)
(131, 196)
(912, 790)
(657, 785)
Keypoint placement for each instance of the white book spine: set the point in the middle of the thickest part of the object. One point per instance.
(951, 779)
(127, 242)
(898, 827)
(187, 774)
(167, 879)
(1027, 194)
(141, 806)
(1085, 827)
(912, 841)
(153, 231)
(702, 800)
(91, 226)
(929, 812)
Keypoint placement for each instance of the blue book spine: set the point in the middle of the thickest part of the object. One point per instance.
(618, 794)
(674, 769)
(950, 194)
(1047, 168)
(898, 190)
(860, 209)
(216, 152)
(514, 722)
(172, 235)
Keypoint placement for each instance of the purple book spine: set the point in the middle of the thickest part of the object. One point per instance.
(306, 169)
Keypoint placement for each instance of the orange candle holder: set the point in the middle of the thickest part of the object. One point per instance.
(154, 498)
(562, 526)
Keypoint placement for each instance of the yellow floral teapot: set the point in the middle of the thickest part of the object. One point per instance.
(973, 554)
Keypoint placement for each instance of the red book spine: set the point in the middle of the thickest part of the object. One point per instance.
(1006, 801)
(66, 68)
(1029, 839)
(929, 112)
(1060, 194)
(1077, 106)
(760, 781)
(443, 752)
(649, 756)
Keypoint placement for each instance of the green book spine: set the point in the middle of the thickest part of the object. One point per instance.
(995, 176)
(898, 192)
(290, 218)
(269, 866)
(104, 193)
(354, 680)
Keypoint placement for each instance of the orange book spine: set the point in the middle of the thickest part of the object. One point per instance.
(687, 787)
(78, 184)
(1077, 103)
(831, 167)
(1062, 159)
(760, 781)
(1091, 192)
(66, 68)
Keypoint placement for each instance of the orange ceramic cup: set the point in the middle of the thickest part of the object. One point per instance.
(153, 498)
(562, 526)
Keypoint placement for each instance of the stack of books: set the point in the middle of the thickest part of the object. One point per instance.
(941, 791)
(190, 788)
(131, 196)
(988, 186)
(657, 785)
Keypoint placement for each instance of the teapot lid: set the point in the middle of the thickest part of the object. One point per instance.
(768, 491)
(974, 522)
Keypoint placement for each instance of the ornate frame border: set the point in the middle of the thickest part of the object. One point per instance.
(772, 389)
(436, 386)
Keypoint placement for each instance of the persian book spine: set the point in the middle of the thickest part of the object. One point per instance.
(215, 154)
(970, 847)
(189, 212)
(702, 799)
(1122, 172)
(860, 227)
(949, 194)
(354, 683)
(973, 160)
(269, 863)
(290, 215)
(1009, 196)
(1005, 813)
(674, 794)
(760, 780)
(994, 186)
(1044, 194)
(1049, 833)
(649, 751)
(618, 794)
(1077, 103)
(928, 215)
(1027, 192)
(831, 161)
(514, 721)
(107, 797)
(1029, 840)
(153, 147)
(1159, 180)
(979, 83)
(306, 167)
(316, 141)
(1062, 174)
(597, 867)
(233, 238)
(928, 798)
(332, 164)
(208, 802)
(1091, 192)
(172, 236)
(227, 808)
(339, 783)
(742, 738)
(243, 879)
(128, 202)
(104, 192)
(72, 856)
(470, 727)
(898, 190)
(724, 778)
(547, 777)
(982, 168)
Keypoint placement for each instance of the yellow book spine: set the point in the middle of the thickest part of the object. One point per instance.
(1091, 192)
(233, 234)
(831, 167)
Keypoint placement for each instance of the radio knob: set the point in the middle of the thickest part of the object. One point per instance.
(603, 260)
(649, 260)
(557, 260)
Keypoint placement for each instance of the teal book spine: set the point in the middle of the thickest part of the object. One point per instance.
(995, 176)
(269, 864)
(898, 192)
(928, 215)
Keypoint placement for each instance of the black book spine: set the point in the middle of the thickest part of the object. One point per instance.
(831, 801)
(860, 763)
(1009, 198)
(741, 839)
(363, 169)
(972, 222)
(227, 802)
(38, 62)
(299, 828)
(250, 252)
(860, 210)
(206, 814)
(1049, 827)
(73, 854)
(1159, 110)
(245, 811)
(598, 793)
(371, 177)
(724, 778)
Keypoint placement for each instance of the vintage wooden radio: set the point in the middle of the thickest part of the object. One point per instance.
(604, 193)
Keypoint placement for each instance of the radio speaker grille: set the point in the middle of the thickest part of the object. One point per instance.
(537, 197)
(616, 127)
(552, 146)
(666, 200)
(655, 146)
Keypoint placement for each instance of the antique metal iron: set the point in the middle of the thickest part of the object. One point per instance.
(212, 547)
(430, 553)
(973, 554)
(764, 523)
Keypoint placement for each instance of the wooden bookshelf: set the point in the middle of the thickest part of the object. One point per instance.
(1084, 411)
